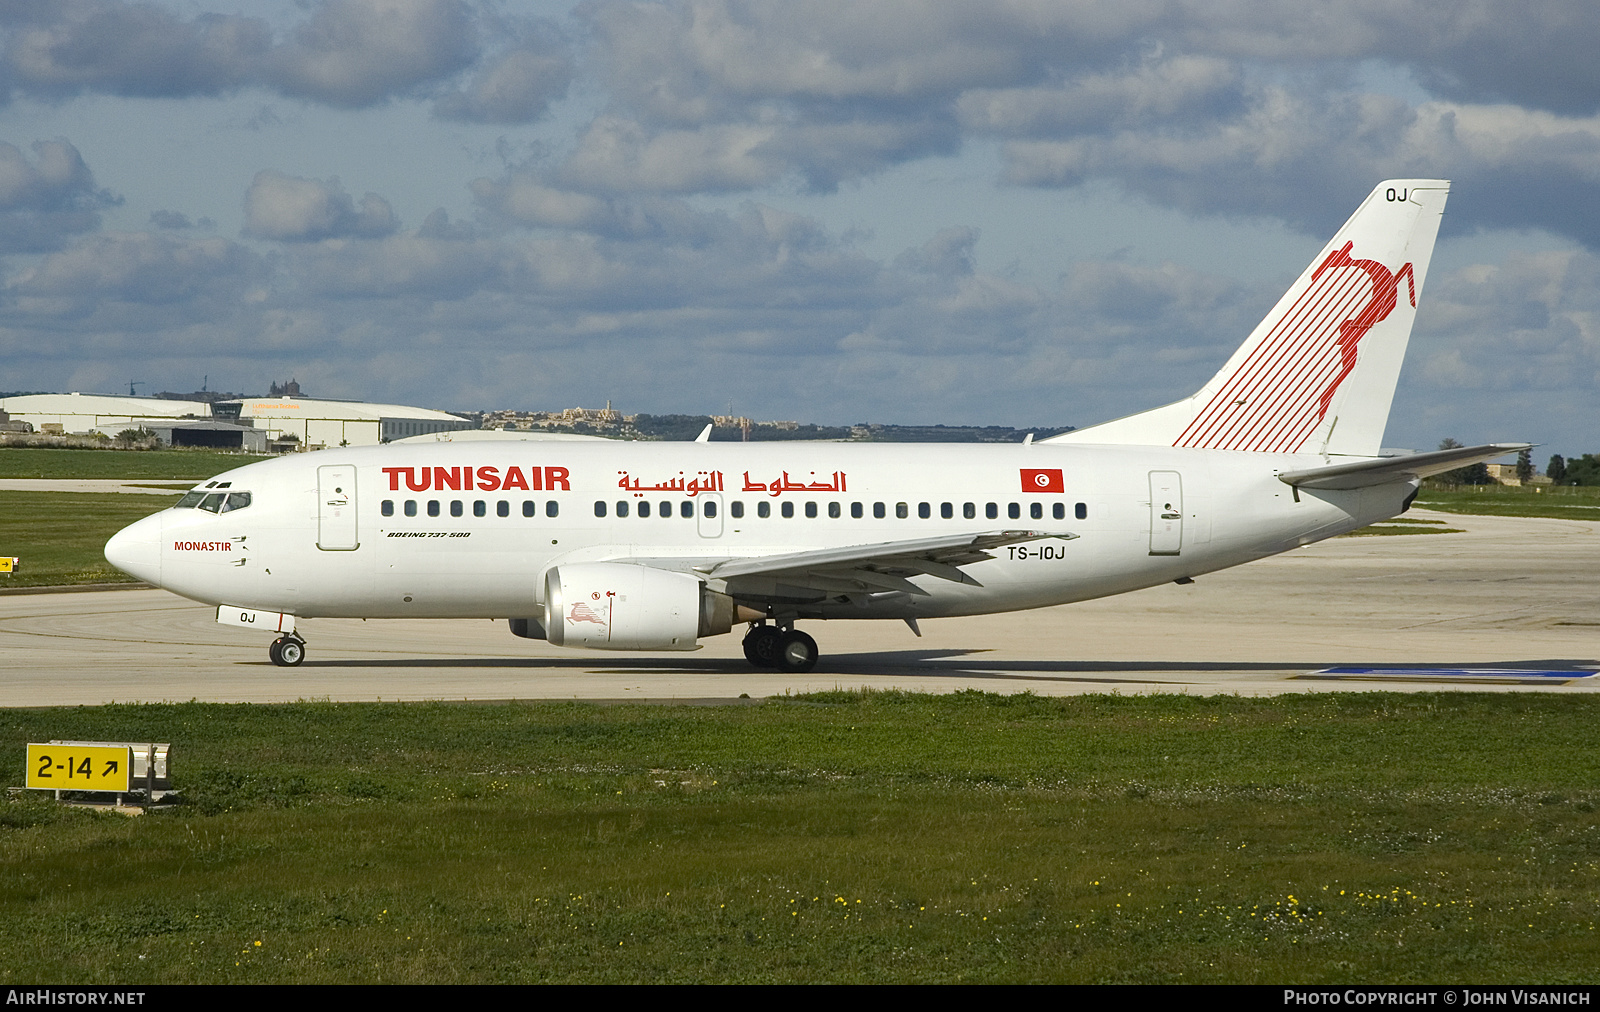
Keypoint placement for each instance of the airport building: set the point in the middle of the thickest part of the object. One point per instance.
(81, 413)
(318, 424)
(314, 424)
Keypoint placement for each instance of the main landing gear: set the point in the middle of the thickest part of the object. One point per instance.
(287, 651)
(787, 649)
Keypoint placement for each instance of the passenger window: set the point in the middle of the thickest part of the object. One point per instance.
(811, 511)
(388, 508)
(1081, 511)
(946, 511)
(455, 507)
(552, 508)
(411, 507)
(878, 511)
(599, 508)
(480, 508)
(529, 508)
(787, 509)
(622, 508)
(686, 510)
(833, 510)
(1036, 510)
(901, 510)
(855, 511)
(1014, 511)
(189, 501)
(502, 508)
(924, 511)
(763, 510)
(711, 508)
(736, 508)
(969, 511)
(991, 510)
(644, 509)
(433, 507)
(241, 500)
(665, 512)
(212, 503)
(1059, 511)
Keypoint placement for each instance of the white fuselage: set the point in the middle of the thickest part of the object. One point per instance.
(469, 529)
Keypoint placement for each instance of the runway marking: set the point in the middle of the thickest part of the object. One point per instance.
(1489, 676)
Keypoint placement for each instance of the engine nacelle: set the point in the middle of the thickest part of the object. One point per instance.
(617, 606)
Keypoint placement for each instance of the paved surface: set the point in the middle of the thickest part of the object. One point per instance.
(1509, 592)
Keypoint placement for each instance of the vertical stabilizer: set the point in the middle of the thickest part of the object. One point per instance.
(1318, 374)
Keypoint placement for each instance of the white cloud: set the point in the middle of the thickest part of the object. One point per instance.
(292, 209)
(357, 52)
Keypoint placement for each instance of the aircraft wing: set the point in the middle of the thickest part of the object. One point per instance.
(877, 567)
(1384, 470)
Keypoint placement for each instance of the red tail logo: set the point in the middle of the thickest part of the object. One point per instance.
(1385, 293)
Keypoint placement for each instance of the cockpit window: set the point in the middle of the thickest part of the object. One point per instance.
(189, 501)
(236, 501)
(213, 502)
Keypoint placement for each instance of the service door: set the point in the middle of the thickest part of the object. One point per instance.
(336, 517)
(709, 511)
(1166, 513)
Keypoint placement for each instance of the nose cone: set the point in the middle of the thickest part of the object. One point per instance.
(136, 550)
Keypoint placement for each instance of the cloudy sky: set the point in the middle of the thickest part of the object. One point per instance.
(1037, 212)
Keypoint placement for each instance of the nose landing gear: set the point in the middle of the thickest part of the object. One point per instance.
(787, 649)
(287, 651)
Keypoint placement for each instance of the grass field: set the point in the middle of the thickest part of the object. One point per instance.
(837, 837)
(43, 462)
(61, 537)
(1568, 502)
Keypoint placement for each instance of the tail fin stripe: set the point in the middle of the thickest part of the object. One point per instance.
(1283, 407)
(1276, 393)
(1283, 351)
(1260, 382)
(1280, 416)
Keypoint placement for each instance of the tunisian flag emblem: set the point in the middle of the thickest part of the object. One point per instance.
(1042, 479)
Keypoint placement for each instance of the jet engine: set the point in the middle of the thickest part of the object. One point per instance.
(617, 606)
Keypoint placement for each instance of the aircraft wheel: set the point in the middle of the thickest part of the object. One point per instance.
(761, 645)
(287, 651)
(798, 652)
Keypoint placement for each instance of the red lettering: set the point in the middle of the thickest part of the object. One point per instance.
(538, 479)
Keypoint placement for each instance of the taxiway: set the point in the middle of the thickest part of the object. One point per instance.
(1508, 593)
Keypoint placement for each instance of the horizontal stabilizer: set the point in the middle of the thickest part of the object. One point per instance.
(1411, 467)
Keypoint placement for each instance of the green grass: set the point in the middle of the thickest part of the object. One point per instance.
(61, 537)
(43, 462)
(1568, 502)
(837, 837)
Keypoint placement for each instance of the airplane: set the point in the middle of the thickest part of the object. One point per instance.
(654, 546)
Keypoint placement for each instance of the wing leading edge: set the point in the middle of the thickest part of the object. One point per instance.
(873, 568)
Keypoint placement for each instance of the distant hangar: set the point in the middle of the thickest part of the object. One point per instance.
(312, 423)
(317, 424)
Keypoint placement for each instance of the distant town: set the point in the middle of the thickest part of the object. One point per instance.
(287, 419)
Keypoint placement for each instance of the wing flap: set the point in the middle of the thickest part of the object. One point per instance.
(869, 564)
